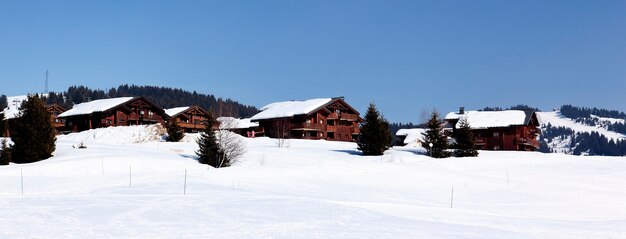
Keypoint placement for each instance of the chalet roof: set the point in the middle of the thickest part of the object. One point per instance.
(412, 135)
(493, 119)
(234, 123)
(289, 108)
(95, 106)
(174, 111)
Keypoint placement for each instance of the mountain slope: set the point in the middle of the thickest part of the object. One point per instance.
(591, 135)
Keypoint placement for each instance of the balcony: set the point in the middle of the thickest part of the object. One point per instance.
(348, 117)
(529, 142)
(308, 127)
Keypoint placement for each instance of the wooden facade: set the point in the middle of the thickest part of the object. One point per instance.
(54, 110)
(58, 123)
(520, 137)
(135, 111)
(193, 119)
(335, 120)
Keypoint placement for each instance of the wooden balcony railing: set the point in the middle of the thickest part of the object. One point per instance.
(525, 141)
(307, 126)
(348, 117)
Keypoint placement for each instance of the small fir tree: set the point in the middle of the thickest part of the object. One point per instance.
(175, 133)
(5, 153)
(3, 124)
(34, 137)
(464, 137)
(209, 150)
(375, 137)
(434, 135)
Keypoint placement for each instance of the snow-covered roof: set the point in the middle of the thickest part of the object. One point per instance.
(412, 135)
(491, 119)
(13, 105)
(175, 111)
(95, 106)
(233, 123)
(289, 108)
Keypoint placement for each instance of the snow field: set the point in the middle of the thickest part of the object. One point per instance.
(311, 189)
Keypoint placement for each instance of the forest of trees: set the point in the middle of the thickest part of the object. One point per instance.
(515, 107)
(574, 112)
(162, 96)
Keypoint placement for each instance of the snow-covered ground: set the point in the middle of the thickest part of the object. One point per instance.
(117, 188)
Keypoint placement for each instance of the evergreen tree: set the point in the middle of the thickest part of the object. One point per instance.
(375, 137)
(3, 102)
(5, 153)
(34, 137)
(434, 135)
(175, 133)
(209, 150)
(464, 137)
(3, 124)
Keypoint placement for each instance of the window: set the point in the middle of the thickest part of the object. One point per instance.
(150, 113)
(308, 121)
(496, 147)
(141, 112)
(496, 134)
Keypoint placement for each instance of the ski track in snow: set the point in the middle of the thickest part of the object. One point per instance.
(311, 189)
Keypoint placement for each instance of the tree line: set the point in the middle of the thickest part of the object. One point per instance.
(163, 96)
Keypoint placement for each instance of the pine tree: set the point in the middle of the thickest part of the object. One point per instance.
(434, 135)
(464, 137)
(375, 137)
(175, 133)
(5, 153)
(34, 137)
(3, 124)
(209, 151)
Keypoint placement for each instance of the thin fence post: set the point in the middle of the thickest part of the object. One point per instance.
(185, 187)
(452, 197)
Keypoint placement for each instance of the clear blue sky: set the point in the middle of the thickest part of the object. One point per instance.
(406, 56)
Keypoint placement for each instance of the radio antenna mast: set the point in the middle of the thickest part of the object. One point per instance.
(47, 74)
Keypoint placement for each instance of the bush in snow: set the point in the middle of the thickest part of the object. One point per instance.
(375, 137)
(5, 153)
(175, 133)
(34, 137)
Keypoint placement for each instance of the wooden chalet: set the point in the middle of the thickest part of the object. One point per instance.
(121, 111)
(327, 118)
(54, 111)
(501, 130)
(191, 119)
(58, 123)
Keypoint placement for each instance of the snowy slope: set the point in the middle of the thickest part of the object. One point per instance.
(13, 104)
(556, 120)
(313, 189)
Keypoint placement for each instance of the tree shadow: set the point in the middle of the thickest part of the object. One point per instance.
(349, 151)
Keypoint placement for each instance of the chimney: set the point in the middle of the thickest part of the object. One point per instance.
(461, 110)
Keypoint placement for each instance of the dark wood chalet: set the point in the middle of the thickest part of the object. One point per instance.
(54, 111)
(191, 119)
(58, 123)
(327, 118)
(501, 130)
(123, 111)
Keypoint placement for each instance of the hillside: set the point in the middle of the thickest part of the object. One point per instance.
(127, 183)
(590, 135)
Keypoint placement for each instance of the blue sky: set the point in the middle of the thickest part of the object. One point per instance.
(406, 56)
